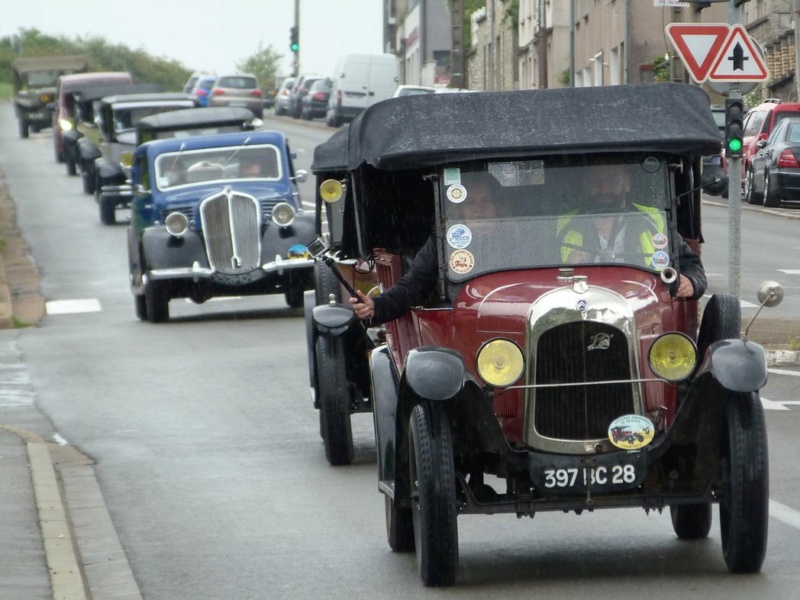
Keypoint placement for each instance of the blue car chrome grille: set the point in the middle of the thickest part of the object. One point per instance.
(231, 226)
(267, 204)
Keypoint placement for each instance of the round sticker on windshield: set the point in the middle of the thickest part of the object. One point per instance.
(461, 262)
(660, 241)
(457, 193)
(660, 260)
(631, 432)
(459, 236)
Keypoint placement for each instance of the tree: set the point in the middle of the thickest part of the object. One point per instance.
(264, 65)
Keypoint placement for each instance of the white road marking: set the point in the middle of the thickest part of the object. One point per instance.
(784, 514)
(785, 372)
(771, 405)
(68, 307)
(790, 271)
(58, 439)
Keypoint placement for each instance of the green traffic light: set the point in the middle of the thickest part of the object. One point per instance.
(735, 145)
(295, 47)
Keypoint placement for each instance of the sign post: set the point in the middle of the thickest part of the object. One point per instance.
(729, 60)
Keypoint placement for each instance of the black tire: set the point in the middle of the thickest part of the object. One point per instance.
(108, 211)
(23, 129)
(691, 521)
(334, 401)
(89, 179)
(750, 194)
(325, 284)
(771, 199)
(140, 306)
(156, 303)
(294, 293)
(399, 527)
(72, 164)
(433, 496)
(744, 506)
(722, 320)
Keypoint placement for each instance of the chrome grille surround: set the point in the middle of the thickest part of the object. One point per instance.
(573, 419)
(231, 223)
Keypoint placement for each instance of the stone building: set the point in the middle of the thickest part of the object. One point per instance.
(419, 33)
(772, 23)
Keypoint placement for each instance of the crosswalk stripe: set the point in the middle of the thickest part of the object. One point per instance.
(784, 514)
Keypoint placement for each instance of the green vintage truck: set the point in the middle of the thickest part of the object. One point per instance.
(35, 88)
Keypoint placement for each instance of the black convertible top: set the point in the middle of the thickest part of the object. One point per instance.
(331, 155)
(199, 117)
(419, 131)
(97, 91)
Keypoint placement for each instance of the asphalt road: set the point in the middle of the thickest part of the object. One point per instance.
(209, 459)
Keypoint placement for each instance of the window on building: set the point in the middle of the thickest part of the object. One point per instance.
(598, 68)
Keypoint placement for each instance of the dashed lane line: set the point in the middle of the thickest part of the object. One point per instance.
(784, 514)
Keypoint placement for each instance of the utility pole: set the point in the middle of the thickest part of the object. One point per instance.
(491, 47)
(296, 42)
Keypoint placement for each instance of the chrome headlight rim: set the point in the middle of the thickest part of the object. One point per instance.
(505, 353)
(177, 224)
(671, 372)
(283, 214)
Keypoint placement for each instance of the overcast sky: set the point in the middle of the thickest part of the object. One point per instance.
(209, 35)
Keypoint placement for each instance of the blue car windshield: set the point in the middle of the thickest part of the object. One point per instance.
(192, 167)
(524, 214)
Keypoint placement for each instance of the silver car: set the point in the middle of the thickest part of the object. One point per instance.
(240, 90)
(282, 97)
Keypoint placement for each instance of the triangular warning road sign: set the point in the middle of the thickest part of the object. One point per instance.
(739, 60)
(698, 45)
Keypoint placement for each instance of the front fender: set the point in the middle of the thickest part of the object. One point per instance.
(434, 373)
(384, 403)
(276, 241)
(108, 170)
(332, 319)
(164, 251)
(88, 151)
(738, 365)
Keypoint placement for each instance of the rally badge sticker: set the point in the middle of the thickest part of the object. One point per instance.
(660, 241)
(459, 236)
(461, 262)
(631, 432)
(456, 193)
(660, 260)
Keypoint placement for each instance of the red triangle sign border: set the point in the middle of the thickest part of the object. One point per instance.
(739, 31)
(678, 32)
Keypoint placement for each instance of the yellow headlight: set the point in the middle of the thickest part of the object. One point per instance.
(331, 190)
(500, 363)
(673, 357)
(65, 124)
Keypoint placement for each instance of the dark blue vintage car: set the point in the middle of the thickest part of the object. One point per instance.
(217, 215)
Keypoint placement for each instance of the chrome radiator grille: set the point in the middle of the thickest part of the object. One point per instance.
(232, 231)
(576, 353)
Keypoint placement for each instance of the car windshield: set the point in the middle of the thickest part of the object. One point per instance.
(40, 79)
(522, 214)
(175, 169)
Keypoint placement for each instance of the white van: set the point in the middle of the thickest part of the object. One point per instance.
(358, 81)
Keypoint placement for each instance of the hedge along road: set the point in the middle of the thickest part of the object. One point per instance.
(209, 459)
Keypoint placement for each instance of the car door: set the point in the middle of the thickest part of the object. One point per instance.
(763, 156)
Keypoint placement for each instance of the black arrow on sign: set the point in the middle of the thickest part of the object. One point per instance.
(738, 57)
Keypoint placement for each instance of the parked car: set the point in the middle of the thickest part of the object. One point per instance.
(117, 118)
(282, 96)
(202, 228)
(758, 124)
(296, 94)
(359, 81)
(713, 163)
(775, 168)
(34, 88)
(240, 90)
(192, 81)
(412, 90)
(501, 392)
(314, 103)
(63, 108)
(202, 89)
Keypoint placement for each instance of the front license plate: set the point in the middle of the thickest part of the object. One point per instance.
(565, 475)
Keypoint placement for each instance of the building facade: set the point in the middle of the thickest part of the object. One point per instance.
(772, 23)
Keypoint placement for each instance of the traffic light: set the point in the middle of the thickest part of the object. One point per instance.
(734, 127)
(294, 38)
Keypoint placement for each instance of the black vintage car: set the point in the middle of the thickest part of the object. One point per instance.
(509, 389)
(117, 117)
(34, 83)
(337, 356)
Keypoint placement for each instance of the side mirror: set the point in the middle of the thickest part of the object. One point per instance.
(300, 176)
(761, 143)
(714, 181)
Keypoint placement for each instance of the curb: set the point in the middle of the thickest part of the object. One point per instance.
(66, 579)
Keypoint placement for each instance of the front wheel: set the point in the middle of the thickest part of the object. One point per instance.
(399, 527)
(750, 189)
(691, 521)
(72, 164)
(334, 401)
(294, 293)
(140, 306)
(23, 129)
(722, 320)
(156, 302)
(89, 178)
(108, 211)
(771, 199)
(744, 505)
(433, 496)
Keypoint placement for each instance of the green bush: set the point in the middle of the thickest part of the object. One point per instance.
(5, 90)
